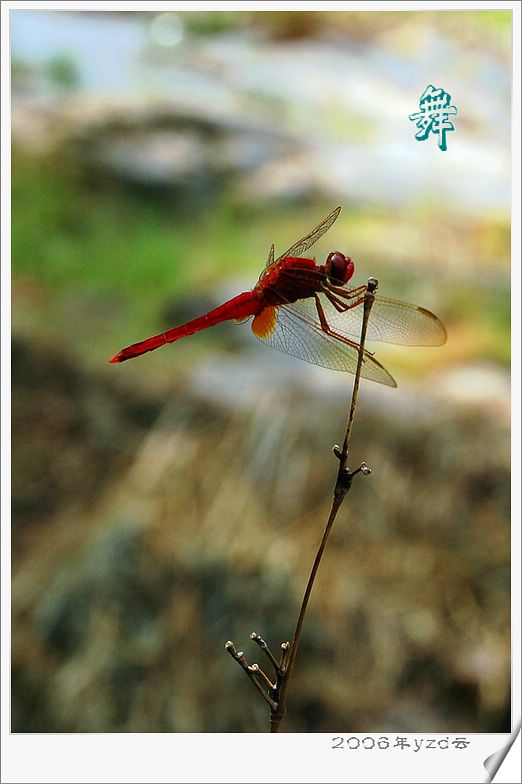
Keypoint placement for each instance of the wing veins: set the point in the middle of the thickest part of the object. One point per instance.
(306, 242)
(290, 337)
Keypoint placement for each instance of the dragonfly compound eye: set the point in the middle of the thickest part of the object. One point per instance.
(339, 268)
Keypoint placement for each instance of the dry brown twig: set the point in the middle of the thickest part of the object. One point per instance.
(275, 691)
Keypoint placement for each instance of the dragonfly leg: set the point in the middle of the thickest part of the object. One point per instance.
(327, 328)
(344, 293)
(342, 307)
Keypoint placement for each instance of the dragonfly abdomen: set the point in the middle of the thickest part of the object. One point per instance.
(240, 307)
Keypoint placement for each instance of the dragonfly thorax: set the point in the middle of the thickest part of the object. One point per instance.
(339, 268)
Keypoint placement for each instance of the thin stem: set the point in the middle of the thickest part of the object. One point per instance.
(342, 486)
(264, 647)
(276, 719)
(255, 668)
(368, 303)
(276, 693)
(251, 672)
(285, 648)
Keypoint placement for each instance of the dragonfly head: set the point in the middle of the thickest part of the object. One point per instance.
(339, 268)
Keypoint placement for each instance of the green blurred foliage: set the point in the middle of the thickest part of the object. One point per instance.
(63, 71)
(360, 25)
(95, 235)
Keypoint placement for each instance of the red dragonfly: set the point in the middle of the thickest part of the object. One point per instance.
(305, 309)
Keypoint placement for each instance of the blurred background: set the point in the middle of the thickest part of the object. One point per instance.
(164, 506)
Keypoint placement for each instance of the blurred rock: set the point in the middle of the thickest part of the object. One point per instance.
(485, 386)
(286, 119)
(164, 146)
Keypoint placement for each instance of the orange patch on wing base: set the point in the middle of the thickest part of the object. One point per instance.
(264, 324)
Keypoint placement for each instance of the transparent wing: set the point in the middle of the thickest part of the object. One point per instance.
(295, 329)
(299, 247)
(390, 321)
